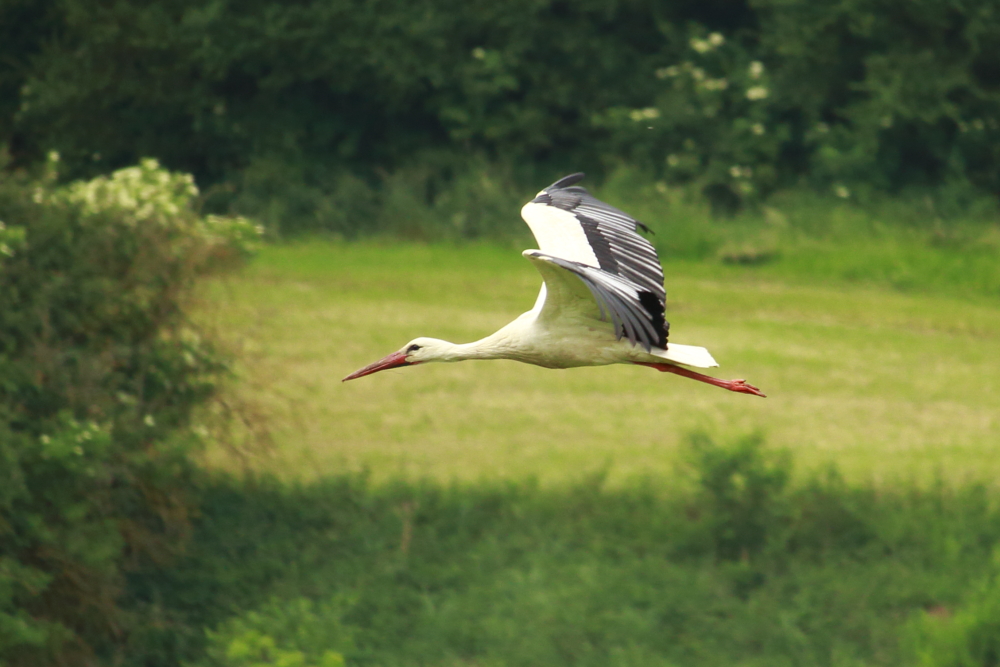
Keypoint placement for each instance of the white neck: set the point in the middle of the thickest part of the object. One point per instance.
(492, 347)
(507, 343)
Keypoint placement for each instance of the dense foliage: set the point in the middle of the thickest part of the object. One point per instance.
(514, 574)
(99, 372)
(280, 101)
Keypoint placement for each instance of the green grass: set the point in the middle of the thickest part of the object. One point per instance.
(493, 513)
(889, 385)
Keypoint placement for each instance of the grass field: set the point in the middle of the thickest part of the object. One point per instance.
(513, 515)
(887, 384)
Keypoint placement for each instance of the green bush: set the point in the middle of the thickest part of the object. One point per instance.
(99, 372)
(283, 633)
(712, 125)
(470, 199)
(967, 637)
(888, 95)
(742, 498)
(582, 573)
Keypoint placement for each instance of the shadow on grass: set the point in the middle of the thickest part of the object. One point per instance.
(733, 565)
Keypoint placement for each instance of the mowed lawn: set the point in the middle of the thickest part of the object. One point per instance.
(887, 386)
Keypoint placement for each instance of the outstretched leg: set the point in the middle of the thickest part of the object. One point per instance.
(740, 386)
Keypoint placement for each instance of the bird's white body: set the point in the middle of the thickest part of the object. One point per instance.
(602, 299)
(571, 341)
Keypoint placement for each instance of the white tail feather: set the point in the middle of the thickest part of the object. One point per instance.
(689, 355)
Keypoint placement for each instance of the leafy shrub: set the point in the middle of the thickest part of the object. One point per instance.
(586, 573)
(100, 370)
(471, 199)
(712, 124)
(890, 94)
(741, 494)
(292, 633)
(969, 638)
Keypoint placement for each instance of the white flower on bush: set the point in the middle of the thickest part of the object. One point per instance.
(479, 53)
(841, 191)
(757, 93)
(665, 72)
(701, 45)
(145, 192)
(714, 41)
(74, 440)
(756, 69)
(644, 114)
(716, 84)
(149, 197)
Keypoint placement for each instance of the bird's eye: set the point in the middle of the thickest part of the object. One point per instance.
(412, 348)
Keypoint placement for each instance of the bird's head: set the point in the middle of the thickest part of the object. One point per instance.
(417, 351)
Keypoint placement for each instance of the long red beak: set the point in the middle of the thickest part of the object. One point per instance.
(394, 360)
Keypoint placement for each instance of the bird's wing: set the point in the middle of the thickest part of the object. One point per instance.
(598, 245)
(575, 291)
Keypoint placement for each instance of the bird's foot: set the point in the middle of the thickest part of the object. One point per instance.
(744, 387)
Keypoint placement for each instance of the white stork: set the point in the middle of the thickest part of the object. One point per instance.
(602, 300)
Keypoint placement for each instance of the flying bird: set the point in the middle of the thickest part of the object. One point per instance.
(602, 299)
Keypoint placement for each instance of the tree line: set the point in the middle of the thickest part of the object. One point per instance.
(736, 98)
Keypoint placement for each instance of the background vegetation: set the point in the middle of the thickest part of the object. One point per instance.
(303, 115)
(728, 564)
(185, 481)
(100, 370)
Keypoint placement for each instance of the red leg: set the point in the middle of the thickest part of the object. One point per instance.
(740, 386)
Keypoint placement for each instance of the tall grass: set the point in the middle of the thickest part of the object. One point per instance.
(733, 565)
